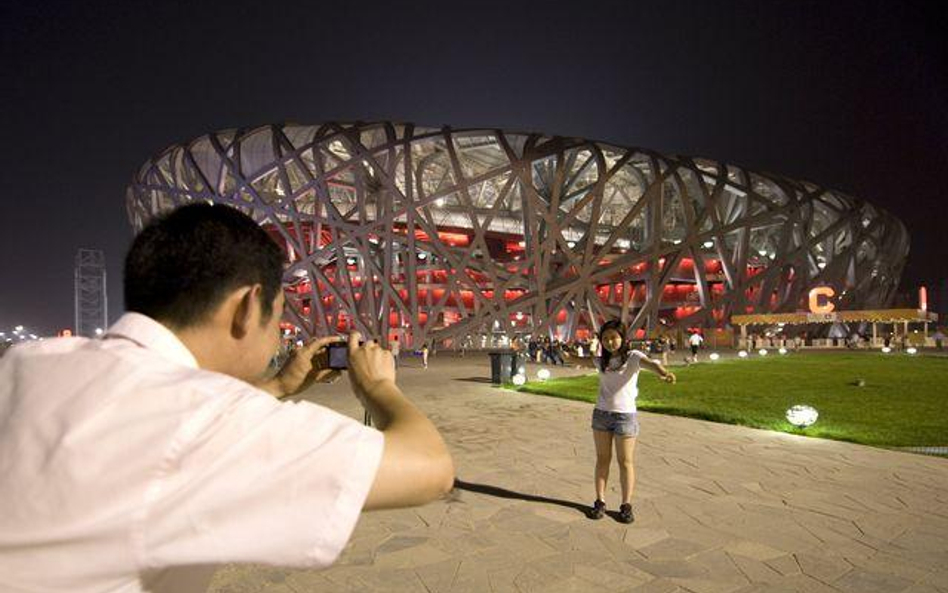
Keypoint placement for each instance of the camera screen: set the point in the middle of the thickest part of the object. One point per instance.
(338, 356)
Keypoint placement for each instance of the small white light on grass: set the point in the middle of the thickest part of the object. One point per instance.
(782, 351)
(708, 244)
(762, 352)
(522, 371)
(519, 380)
(802, 416)
(886, 349)
(911, 350)
(543, 374)
(714, 356)
(742, 354)
(98, 331)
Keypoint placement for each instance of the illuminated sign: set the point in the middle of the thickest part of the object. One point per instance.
(824, 305)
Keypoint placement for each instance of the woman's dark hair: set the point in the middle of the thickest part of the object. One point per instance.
(623, 353)
(181, 266)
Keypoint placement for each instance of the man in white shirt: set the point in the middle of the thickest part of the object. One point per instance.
(139, 461)
(695, 341)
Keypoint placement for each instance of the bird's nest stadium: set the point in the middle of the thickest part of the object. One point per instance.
(443, 234)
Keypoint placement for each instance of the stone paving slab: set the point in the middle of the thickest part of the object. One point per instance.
(719, 508)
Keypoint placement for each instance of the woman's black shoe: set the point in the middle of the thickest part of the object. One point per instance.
(598, 510)
(625, 513)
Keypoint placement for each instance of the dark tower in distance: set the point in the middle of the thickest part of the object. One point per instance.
(92, 307)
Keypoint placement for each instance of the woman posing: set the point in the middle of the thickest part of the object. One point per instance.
(614, 417)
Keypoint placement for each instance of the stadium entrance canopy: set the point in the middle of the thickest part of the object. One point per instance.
(875, 317)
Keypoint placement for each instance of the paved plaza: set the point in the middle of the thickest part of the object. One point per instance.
(718, 508)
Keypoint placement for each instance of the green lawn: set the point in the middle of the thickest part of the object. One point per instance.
(903, 403)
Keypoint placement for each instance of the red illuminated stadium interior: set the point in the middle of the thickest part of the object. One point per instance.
(679, 299)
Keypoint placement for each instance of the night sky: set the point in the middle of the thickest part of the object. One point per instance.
(853, 96)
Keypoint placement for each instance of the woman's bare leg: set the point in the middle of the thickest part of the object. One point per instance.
(603, 441)
(625, 447)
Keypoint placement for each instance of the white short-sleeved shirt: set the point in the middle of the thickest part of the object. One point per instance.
(122, 462)
(618, 384)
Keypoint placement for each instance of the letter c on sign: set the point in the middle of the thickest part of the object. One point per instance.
(816, 306)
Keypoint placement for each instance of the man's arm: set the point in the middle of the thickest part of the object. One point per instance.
(416, 467)
(657, 368)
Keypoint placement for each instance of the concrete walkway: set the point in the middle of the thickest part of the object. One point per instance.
(718, 508)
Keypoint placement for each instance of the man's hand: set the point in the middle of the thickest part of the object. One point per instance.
(669, 377)
(306, 365)
(369, 365)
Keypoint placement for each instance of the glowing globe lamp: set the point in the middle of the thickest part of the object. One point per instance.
(911, 350)
(762, 352)
(886, 349)
(802, 416)
(543, 374)
(519, 380)
(782, 351)
(714, 356)
(742, 354)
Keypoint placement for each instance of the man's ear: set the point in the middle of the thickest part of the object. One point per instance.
(248, 305)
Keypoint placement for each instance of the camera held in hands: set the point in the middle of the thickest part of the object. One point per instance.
(338, 356)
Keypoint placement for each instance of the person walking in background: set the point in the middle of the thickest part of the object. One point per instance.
(594, 346)
(424, 355)
(695, 341)
(396, 349)
(556, 352)
(661, 345)
(615, 418)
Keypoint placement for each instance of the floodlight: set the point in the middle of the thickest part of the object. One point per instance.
(802, 416)
(519, 380)
(911, 350)
(543, 374)
(714, 356)
(762, 352)
(886, 349)
(782, 350)
(742, 354)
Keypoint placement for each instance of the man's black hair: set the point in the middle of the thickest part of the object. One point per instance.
(623, 353)
(181, 266)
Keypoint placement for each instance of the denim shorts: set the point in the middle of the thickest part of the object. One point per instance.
(624, 424)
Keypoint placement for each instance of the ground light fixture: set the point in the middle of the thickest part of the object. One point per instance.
(742, 354)
(802, 416)
(762, 352)
(911, 350)
(714, 356)
(886, 349)
(782, 351)
(519, 380)
(543, 374)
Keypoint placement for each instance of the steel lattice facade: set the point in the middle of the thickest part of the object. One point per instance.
(443, 233)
